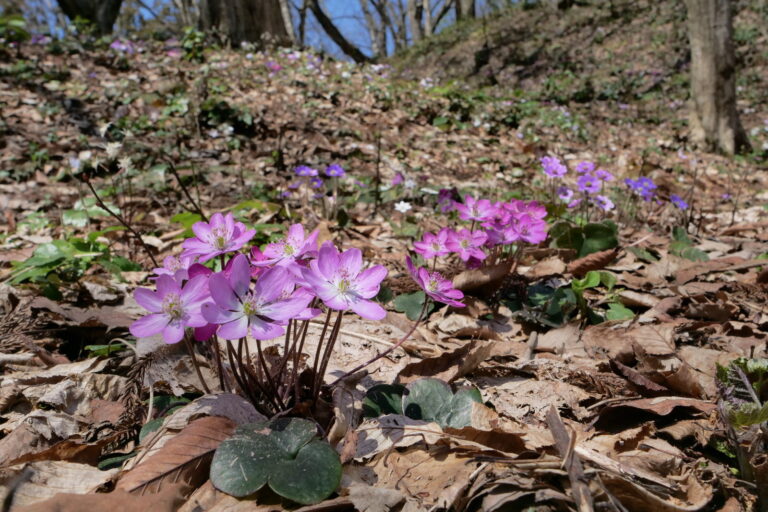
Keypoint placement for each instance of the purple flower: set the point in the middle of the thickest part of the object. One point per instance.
(678, 201)
(435, 285)
(172, 308)
(304, 170)
(273, 66)
(467, 243)
(339, 281)
(603, 202)
(287, 251)
(585, 167)
(530, 229)
(553, 167)
(565, 194)
(475, 209)
(316, 182)
(220, 236)
(588, 184)
(433, 246)
(334, 171)
(603, 175)
(177, 267)
(261, 311)
(123, 46)
(642, 186)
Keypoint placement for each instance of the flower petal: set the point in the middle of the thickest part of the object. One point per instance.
(368, 309)
(350, 262)
(173, 332)
(328, 260)
(240, 275)
(235, 329)
(148, 299)
(222, 293)
(166, 285)
(262, 330)
(369, 281)
(149, 325)
(271, 283)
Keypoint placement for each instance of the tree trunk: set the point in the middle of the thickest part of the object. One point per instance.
(102, 13)
(464, 9)
(415, 12)
(334, 33)
(714, 119)
(428, 28)
(376, 31)
(254, 21)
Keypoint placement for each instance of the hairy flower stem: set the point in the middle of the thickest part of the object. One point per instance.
(270, 380)
(316, 365)
(219, 367)
(356, 369)
(191, 350)
(294, 382)
(122, 221)
(327, 356)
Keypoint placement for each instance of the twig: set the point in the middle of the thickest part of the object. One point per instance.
(184, 189)
(579, 486)
(191, 351)
(533, 340)
(122, 221)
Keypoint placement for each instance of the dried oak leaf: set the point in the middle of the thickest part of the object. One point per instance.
(186, 457)
(594, 261)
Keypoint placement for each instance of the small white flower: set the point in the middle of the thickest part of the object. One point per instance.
(402, 206)
(113, 149)
(409, 184)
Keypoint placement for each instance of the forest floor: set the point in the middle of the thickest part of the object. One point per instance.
(598, 368)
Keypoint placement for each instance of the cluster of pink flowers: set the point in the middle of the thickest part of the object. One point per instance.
(255, 294)
(499, 224)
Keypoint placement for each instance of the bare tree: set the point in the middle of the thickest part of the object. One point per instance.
(245, 20)
(333, 32)
(377, 30)
(714, 119)
(464, 8)
(102, 13)
(415, 14)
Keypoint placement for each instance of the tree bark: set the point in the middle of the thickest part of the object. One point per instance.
(102, 13)
(334, 33)
(376, 31)
(415, 13)
(714, 119)
(465, 9)
(255, 21)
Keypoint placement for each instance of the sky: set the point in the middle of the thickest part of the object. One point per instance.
(347, 15)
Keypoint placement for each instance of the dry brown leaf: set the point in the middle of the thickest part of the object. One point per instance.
(168, 500)
(448, 366)
(595, 261)
(186, 457)
(487, 278)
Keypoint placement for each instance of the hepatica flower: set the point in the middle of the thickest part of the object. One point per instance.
(292, 248)
(588, 184)
(402, 206)
(678, 201)
(585, 167)
(603, 175)
(220, 236)
(434, 245)
(642, 186)
(334, 171)
(173, 308)
(435, 285)
(467, 244)
(564, 194)
(305, 171)
(529, 229)
(261, 311)
(479, 210)
(553, 167)
(339, 281)
(177, 267)
(603, 202)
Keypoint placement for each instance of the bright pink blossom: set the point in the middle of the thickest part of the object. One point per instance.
(434, 246)
(220, 236)
(260, 311)
(435, 285)
(292, 248)
(173, 307)
(339, 281)
(478, 210)
(467, 244)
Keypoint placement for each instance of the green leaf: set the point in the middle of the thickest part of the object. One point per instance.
(411, 304)
(285, 453)
(383, 399)
(618, 311)
(385, 295)
(599, 237)
(591, 280)
(425, 398)
(432, 400)
(149, 427)
(77, 218)
(748, 414)
(608, 279)
(311, 477)
(694, 254)
(643, 254)
(104, 350)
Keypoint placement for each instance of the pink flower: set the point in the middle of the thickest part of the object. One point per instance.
(435, 285)
(530, 229)
(261, 311)
(433, 246)
(287, 251)
(398, 179)
(177, 267)
(172, 308)
(475, 209)
(220, 236)
(340, 282)
(467, 244)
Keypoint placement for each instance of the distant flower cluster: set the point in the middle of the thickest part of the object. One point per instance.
(590, 182)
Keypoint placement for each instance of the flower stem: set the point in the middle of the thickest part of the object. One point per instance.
(390, 349)
(191, 351)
